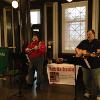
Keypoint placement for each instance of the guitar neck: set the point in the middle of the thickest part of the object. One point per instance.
(91, 55)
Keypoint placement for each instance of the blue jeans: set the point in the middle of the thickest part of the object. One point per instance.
(91, 79)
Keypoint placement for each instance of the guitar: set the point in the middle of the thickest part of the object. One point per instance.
(84, 53)
(91, 55)
(36, 47)
(30, 50)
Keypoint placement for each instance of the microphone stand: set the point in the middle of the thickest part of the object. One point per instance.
(75, 97)
(75, 65)
(76, 73)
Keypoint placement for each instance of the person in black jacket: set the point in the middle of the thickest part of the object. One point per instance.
(91, 71)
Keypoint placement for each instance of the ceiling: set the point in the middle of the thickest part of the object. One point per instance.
(17, 0)
(8, 0)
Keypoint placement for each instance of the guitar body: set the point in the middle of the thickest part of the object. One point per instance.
(84, 53)
(92, 58)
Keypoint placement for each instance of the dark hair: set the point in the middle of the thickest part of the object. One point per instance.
(35, 33)
(92, 31)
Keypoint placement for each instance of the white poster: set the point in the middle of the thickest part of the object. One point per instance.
(62, 73)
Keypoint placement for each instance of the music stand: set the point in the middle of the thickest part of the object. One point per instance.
(19, 92)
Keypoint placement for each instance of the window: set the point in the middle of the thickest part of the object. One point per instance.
(74, 19)
(35, 16)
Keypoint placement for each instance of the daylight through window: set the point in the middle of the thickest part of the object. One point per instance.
(74, 19)
(35, 16)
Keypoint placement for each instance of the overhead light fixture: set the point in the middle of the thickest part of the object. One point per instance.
(15, 4)
(69, 0)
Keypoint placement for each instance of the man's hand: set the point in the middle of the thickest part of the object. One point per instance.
(27, 50)
(78, 52)
(36, 48)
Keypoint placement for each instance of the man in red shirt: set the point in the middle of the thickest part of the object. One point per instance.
(36, 51)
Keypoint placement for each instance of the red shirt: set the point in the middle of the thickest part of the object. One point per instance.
(36, 53)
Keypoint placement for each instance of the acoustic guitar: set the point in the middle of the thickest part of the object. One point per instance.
(84, 53)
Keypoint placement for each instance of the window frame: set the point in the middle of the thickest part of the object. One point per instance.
(71, 5)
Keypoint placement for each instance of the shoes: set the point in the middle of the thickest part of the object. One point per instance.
(98, 97)
(87, 95)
